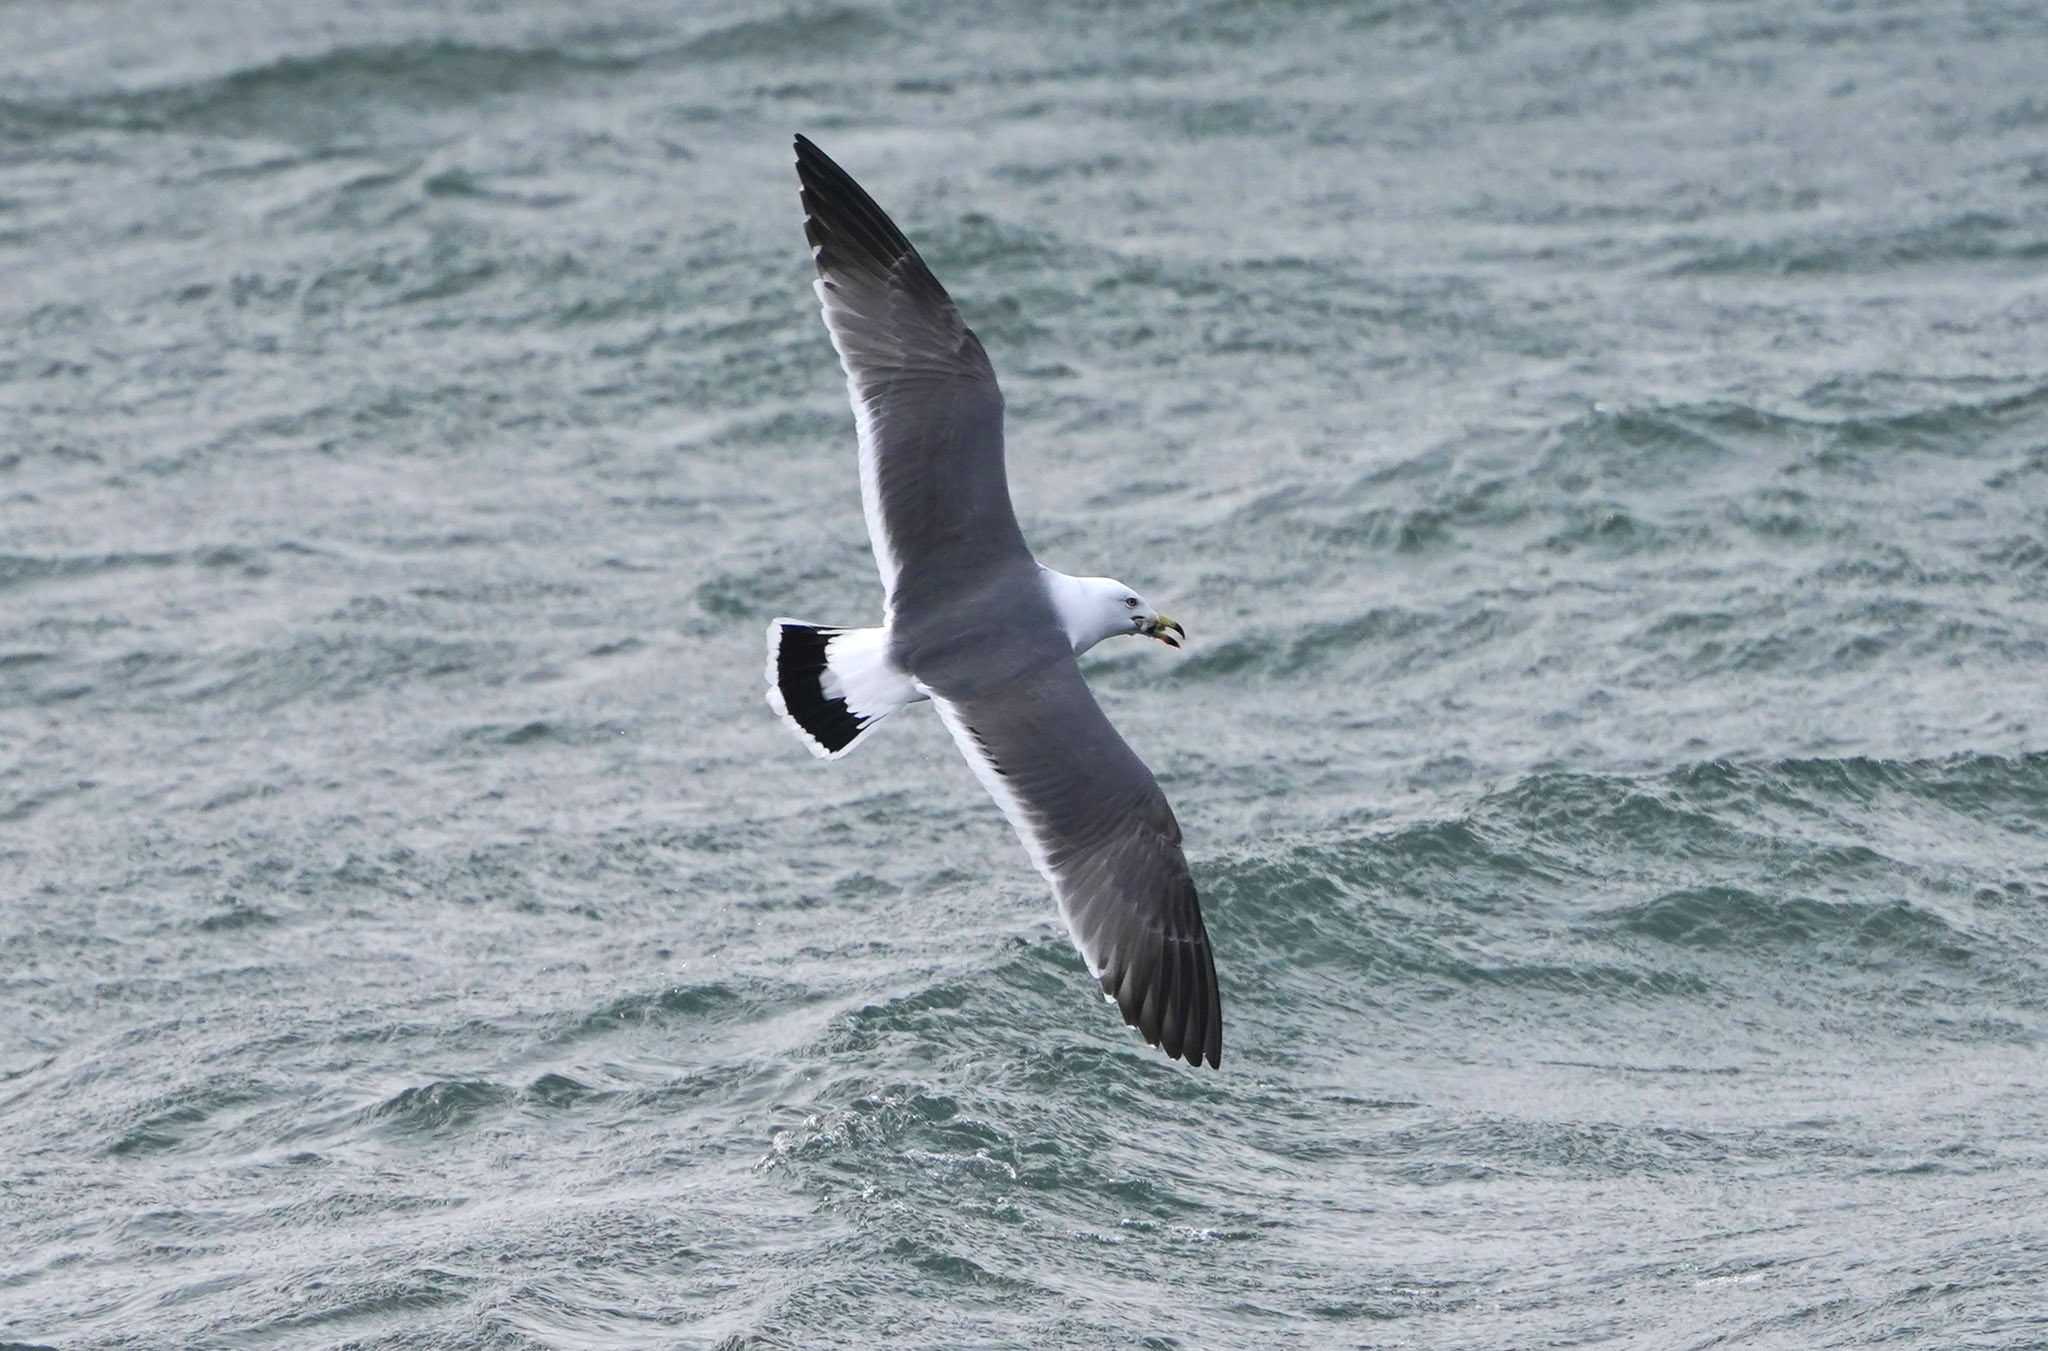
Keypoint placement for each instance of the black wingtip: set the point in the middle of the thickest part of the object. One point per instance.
(1178, 1011)
(847, 229)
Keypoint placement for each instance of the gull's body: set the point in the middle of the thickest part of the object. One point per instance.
(973, 622)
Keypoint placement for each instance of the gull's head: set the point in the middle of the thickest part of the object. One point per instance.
(1094, 608)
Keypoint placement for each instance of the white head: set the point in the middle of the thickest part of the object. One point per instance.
(1094, 608)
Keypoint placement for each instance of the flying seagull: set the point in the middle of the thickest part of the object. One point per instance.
(974, 623)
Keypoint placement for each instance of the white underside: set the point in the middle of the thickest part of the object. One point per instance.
(867, 435)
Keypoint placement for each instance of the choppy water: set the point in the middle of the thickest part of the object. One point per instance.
(1599, 450)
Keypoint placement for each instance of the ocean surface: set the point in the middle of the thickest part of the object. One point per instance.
(1599, 452)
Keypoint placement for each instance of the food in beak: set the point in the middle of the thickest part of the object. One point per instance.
(1164, 630)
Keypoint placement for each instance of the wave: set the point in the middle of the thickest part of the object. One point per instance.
(1662, 444)
(174, 1120)
(339, 94)
(1602, 476)
(794, 35)
(325, 667)
(1734, 917)
(439, 1106)
(335, 666)
(322, 97)
(1970, 237)
(1591, 883)
(20, 570)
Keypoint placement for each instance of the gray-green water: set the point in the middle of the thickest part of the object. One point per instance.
(1600, 452)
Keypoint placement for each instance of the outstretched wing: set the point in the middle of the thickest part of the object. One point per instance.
(925, 401)
(1094, 821)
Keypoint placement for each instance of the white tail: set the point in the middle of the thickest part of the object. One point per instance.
(831, 685)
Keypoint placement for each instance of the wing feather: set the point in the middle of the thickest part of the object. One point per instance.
(1092, 818)
(927, 410)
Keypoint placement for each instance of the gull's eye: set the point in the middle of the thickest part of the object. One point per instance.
(1130, 602)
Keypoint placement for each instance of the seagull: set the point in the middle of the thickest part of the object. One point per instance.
(976, 624)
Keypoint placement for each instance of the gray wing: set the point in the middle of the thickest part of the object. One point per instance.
(1094, 821)
(925, 401)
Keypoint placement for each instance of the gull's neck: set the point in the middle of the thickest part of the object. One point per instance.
(1084, 607)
